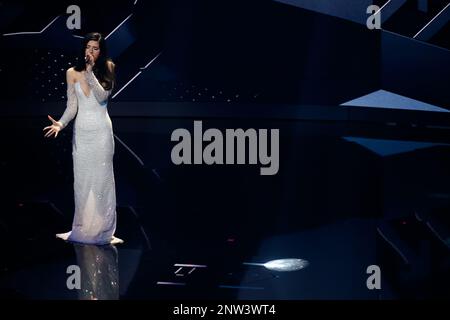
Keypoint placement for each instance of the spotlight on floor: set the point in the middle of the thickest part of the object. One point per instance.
(282, 264)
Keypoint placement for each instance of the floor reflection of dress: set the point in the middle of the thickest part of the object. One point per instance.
(99, 272)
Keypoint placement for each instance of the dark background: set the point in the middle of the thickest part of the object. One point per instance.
(236, 64)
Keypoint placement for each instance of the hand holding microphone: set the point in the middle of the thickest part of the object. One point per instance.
(89, 60)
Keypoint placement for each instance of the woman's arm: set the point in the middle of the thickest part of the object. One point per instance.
(99, 92)
(72, 101)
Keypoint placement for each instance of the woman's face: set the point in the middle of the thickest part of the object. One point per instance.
(92, 48)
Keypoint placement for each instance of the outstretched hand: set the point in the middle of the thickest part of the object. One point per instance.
(53, 129)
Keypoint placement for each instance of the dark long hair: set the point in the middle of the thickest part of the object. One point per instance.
(100, 69)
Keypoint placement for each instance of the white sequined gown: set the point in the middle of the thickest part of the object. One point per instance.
(92, 151)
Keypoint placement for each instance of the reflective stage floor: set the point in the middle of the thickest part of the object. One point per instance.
(348, 196)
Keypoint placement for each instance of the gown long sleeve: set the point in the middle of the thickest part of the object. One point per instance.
(96, 88)
(71, 106)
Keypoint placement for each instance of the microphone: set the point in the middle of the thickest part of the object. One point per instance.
(86, 59)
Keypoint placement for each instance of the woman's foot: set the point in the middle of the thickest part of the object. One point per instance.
(116, 240)
(63, 236)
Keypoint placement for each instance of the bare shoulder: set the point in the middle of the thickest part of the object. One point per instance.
(111, 65)
(71, 71)
(71, 75)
